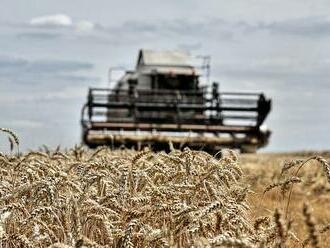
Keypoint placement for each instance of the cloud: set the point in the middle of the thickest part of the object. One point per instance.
(175, 31)
(24, 123)
(42, 66)
(9, 62)
(277, 73)
(130, 32)
(84, 26)
(312, 26)
(61, 21)
(55, 66)
(54, 73)
(46, 96)
(62, 25)
(190, 46)
(58, 20)
(38, 36)
(181, 27)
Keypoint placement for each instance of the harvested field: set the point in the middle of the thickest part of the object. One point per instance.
(124, 198)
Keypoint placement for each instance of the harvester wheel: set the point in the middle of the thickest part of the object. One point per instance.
(248, 149)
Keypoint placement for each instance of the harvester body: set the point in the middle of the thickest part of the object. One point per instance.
(162, 102)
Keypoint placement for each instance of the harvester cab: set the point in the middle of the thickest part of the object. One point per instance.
(162, 101)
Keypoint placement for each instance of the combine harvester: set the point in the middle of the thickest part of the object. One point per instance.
(162, 101)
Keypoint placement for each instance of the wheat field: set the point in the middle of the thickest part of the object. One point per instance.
(126, 198)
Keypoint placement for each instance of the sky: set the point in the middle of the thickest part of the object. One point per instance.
(52, 51)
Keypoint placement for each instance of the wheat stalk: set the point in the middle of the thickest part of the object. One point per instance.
(126, 198)
(13, 138)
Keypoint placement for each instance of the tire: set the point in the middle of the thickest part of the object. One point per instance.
(248, 149)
